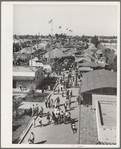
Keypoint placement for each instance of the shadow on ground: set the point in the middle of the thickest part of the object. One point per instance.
(16, 127)
(42, 142)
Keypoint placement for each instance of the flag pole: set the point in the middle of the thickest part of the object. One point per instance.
(52, 28)
(31, 52)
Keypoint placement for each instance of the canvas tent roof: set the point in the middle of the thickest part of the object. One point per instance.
(82, 58)
(28, 50)
(85, 69)
(99, 52)
(55, 53)
(98, 79)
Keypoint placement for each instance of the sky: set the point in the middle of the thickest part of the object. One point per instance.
(81, 19)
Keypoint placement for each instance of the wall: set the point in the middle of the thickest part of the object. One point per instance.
(29, 83)
(106, 134)
(87, 98)
(102, 98)
(24, 83)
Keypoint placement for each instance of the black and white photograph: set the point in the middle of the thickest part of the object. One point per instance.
(62, 65)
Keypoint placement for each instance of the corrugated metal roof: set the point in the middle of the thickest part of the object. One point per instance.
(23, 78)
(89, 64)
(98, 79)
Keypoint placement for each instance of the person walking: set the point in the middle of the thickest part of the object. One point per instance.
(31, 138)
(58, 102)
(77, 100)
(65, 106)
(59, 118)
(56, 120)
(58, 90)
(53, 117)
(40, 120)
(69, 103)
(61, 88)
(41, 111)
(48, 117)
(51, 103)
(71, 93)
(34, 122)
(61, 114)
(33, 110)
(67, 96)
(37, 109)
(46, 103)
(20, 86)
(42, 91)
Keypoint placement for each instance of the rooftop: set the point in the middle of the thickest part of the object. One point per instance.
(24, 69)
(85, 69)
(89, 64)
(24, 73)
(99, 79)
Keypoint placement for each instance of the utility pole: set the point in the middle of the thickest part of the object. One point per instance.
(51, 21)
(79, 121)
(80, 99)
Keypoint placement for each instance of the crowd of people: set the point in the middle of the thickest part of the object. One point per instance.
(57, 116)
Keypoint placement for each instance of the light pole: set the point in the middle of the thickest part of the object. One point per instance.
(79, 121)
(80, 97)
(76, 73)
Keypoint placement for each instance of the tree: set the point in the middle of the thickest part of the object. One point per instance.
(32, 91)
(111, 59)
(95, 41)
(16, 104)
(16, 47)
(84, 39)
(56, 35)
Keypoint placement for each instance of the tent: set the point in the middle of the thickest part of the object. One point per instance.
(22, 56)
(82, 59)
(55, 53)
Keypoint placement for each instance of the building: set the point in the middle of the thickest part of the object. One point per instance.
(28, 77)
(99, 53)
(82, 60)
(84, 69)
(35, 62)
(99, 82)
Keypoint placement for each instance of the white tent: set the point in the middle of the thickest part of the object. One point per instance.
(55, 53)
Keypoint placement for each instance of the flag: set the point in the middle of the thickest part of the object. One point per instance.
(50, 21)
(70, 31)
(59, 26)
